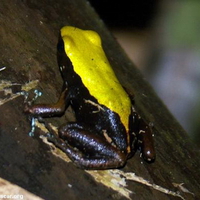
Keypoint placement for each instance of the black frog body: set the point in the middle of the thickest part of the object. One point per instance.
(107, 130)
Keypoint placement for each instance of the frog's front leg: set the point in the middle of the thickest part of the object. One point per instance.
(48, 110)
(88, 149)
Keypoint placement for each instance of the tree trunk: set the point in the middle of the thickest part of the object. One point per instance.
(29, 32)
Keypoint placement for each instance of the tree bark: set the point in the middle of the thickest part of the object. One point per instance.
(28, 38)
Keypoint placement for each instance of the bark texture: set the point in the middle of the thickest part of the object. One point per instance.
(28, 38)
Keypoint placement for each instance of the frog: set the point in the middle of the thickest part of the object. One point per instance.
(107, 130)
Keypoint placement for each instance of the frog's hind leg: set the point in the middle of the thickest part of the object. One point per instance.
(89, 150)
(145, 138)
(146, 142)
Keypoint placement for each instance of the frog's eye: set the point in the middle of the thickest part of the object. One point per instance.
(93, 37)
(60, 46)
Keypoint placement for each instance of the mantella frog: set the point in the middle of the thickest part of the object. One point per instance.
(107, 130)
